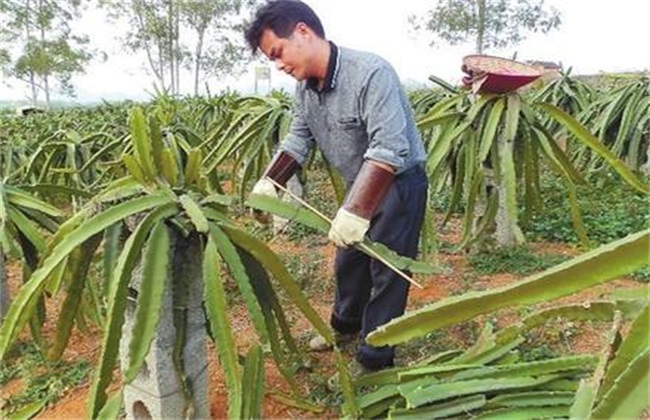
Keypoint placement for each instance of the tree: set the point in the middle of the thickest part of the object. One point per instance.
(167, 30)
(489, 23)
(154, 30)
(45, 49)
(217, 21)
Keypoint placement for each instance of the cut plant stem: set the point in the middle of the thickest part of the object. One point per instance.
(363, 247)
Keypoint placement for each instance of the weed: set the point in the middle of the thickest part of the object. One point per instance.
(446, 247)
(455, 338)
(297, 232)
(516, 260)
(304, 267)
(531, 352)
(319, 191)
(319, 392)
(441, 200)
(550, 340)
(262, 231)
(609, 212)
(44, 381)
(420, 348)
(467, 283)
(642, 275)
(9, 371)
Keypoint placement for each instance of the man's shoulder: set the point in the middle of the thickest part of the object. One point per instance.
(366, 58)
(357, 66)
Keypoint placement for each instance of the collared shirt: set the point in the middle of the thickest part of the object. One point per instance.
(333, 66)
(361, 112)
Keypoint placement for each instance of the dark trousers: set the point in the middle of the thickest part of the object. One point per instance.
(369, 294)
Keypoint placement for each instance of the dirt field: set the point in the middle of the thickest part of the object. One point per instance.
(315, 260)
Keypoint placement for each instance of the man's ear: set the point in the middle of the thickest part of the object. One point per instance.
(302, 28)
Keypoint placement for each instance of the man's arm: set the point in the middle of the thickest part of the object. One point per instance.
(388, 147)
(299, 140)
(291, 153)
(352, 221)
(382, 110)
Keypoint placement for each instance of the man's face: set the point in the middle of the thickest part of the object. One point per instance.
(291, 55)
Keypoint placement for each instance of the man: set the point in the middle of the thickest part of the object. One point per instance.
(352, 106)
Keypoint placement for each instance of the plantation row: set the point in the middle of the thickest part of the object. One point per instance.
(130, 182)
(569, 127)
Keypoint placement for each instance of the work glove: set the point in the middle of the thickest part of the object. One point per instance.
(266, 188)
(352, 221)
(282, 167)
(348, 228)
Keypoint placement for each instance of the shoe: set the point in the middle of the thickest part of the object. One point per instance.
(319, 343)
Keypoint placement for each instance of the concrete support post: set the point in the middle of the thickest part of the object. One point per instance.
(157, 392)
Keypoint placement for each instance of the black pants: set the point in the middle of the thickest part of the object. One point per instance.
(369, 294)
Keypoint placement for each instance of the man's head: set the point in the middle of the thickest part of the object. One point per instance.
(290, 34)
(281, 17)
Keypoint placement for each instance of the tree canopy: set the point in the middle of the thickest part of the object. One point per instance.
(39, 45)
(202, 35)
(489, 23)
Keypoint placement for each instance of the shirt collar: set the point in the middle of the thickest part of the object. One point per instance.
(332, 71)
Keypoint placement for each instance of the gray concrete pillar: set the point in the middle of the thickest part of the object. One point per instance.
(157, 391)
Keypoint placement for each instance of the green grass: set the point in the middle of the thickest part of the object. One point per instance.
(642, 275)
(517, 260)
(610, 210)
(306, 268)
(300, 233)
(44, 382)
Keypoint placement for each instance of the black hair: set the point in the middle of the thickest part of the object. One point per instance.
(281, 16)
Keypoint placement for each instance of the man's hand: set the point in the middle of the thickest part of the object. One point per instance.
(352, 221)
(348, 228)
(263, 187)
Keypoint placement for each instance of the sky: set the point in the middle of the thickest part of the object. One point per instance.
(595, 36)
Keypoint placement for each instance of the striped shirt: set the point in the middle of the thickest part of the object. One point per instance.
(361, 112)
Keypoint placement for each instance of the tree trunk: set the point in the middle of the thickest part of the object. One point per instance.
(177, 48)
(481, 26)
(161, 65)
(32, 84)
(170, 46)
(28, 37)
(197, 62)
(44, 76)
(157, 70)
(46, 84)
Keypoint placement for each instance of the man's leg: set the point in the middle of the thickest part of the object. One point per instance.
(352, 272)
(397, 225)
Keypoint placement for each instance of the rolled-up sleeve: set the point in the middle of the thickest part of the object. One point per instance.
(386, 122)
(299, 140)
